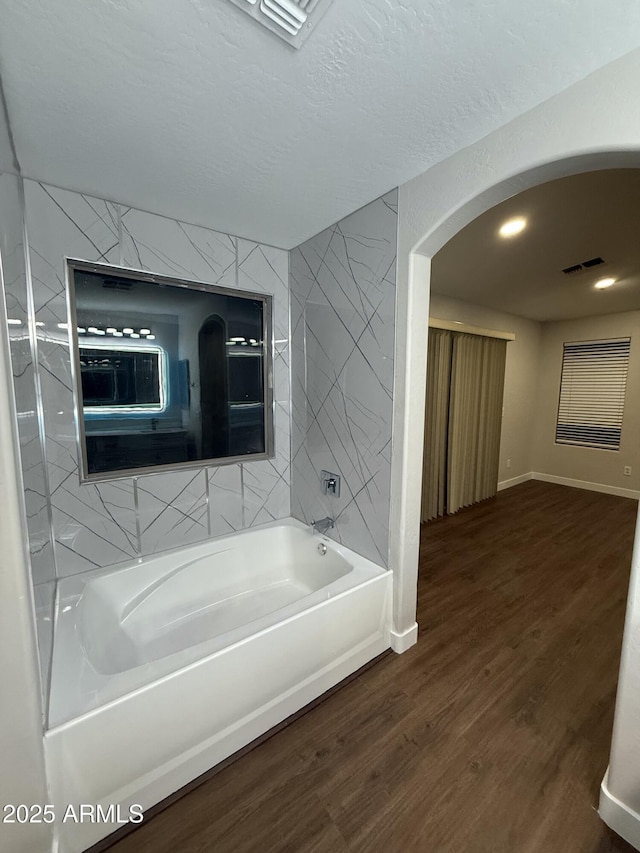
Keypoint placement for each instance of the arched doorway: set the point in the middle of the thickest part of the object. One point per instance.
(451, 213)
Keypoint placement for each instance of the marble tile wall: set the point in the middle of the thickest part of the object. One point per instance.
(109, 523)
(24, 383)
(342, 289)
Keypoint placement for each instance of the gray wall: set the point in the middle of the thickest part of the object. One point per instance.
(343, 331)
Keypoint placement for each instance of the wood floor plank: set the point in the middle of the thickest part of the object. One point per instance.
(491, 735)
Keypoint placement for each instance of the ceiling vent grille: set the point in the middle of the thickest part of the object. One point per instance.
(573, 270)
(292, 20)
(583, 267)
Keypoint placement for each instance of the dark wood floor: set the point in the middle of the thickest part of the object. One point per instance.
(489, 736)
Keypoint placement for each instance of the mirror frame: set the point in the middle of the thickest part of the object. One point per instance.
(73, 264)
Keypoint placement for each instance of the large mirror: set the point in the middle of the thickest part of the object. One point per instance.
(167, 372)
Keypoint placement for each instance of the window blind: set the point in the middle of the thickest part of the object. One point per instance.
(592, 392)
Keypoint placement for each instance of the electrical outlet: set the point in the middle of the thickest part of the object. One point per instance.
(627, 470)
(508, 463)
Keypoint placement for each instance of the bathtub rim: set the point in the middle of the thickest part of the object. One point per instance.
(145, 559)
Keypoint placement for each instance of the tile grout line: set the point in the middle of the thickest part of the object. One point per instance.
(136, 504)
(207, 500)
(120, 240)
(244, 521)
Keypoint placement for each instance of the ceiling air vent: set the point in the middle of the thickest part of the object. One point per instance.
(572, 270)
(583, 267)
(292, 20)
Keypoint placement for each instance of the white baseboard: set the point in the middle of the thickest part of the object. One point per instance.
(619, 817)
(401, 641)
(634, 494)
(590, 487)
(515, 481)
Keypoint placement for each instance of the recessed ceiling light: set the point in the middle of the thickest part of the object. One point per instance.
(604, 282)
(513, 226)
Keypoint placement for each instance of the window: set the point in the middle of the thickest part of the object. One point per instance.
(592, 391)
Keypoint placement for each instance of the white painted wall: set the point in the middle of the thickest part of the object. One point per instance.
(593, 124)
(520, 378)
(620, 797)
(604, 467)
(22, 779)
(532, 387)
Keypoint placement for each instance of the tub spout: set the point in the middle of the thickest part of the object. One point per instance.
(323, 524)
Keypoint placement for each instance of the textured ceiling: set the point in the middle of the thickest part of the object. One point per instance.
(188, 108)
(568, 221)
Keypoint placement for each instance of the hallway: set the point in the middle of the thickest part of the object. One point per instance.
(490, 736)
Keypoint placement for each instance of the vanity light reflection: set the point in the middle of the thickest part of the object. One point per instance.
(112, 331)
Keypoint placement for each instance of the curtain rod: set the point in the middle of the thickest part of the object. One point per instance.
(456, 326)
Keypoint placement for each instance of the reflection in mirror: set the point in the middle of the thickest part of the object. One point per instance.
(168, 373)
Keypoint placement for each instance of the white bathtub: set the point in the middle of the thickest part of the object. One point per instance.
(165, 667)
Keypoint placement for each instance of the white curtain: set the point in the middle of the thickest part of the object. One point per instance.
(465, 384)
